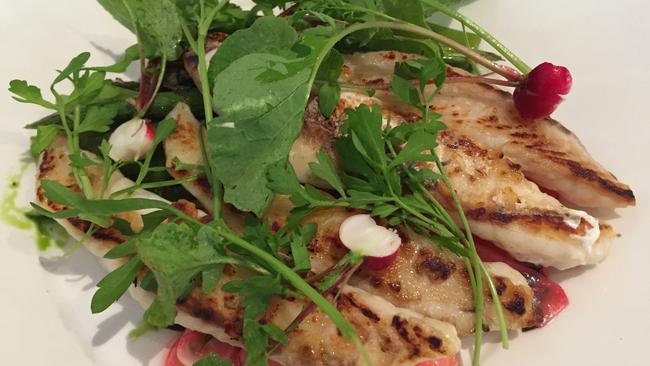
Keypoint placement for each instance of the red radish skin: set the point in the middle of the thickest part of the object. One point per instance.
(193, 346)
(447, 361)
(380, 263)
(539, 94)
(151, 130)
(551, 296)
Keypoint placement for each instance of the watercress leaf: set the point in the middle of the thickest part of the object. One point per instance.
(331, 68)
(26, 93)
(267, 35)
(98, 119)
(163, 129)
(257, 292)
(213, 360)
(265, 126)
(407, 10)
(325, 169)
(74, 66)
(119, 11)
(131, 54)
(210, 278)
(149, 283)
(176, 258)
(159, 27)
(114, 285)
(264, 96)
(43, 139)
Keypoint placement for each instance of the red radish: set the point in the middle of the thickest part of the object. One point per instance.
(132, 140)
(379, 245)
(539, 94)
(552, 298)
(192, 346)
(447, 361)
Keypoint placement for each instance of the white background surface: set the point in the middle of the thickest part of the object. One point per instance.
(44, 302)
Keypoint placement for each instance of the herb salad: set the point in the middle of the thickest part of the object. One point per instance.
(251, 94)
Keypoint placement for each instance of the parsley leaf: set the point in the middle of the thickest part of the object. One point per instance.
(26, 93)
(43, 139)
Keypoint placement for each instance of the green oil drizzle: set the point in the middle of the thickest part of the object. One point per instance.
(46, 231)
(11, 214)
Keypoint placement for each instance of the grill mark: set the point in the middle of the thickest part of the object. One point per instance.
(552, 219)
(588, 174)
(517, 305)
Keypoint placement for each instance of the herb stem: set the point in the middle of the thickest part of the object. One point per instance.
(506, 72)
(161, 76)
(490, 39)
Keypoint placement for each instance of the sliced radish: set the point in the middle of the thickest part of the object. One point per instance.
(446, 361)
(552, 298)
(379, 245)
(132, 140)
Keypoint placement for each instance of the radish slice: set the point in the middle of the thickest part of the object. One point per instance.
(551, 296)
(191, 347)
(447, 361)
(132, 140)
(379, 245)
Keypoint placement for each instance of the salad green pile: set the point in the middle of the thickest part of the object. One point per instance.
(259, 82)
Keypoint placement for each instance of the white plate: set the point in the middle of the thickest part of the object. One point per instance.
(44, 311)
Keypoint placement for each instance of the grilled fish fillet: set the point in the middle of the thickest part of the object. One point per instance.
(500, 203)
(392, 335)
(548, 153)
(424, 278)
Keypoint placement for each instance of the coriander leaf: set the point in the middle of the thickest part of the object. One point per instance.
(413, 149)
(43, 139)
(275, 333)
(326, 170)
(300, 238)
(258, 291)
(175, 257)
(210, 278)
(329, 95)
(267, 35)
(282, 180)
(25, 93)
(114, 285)
(131, 54)
(98, 119)
(406, 91)
(81, 160)
(87, 88)
(213, 360)
(364, 126)
(74, 66)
